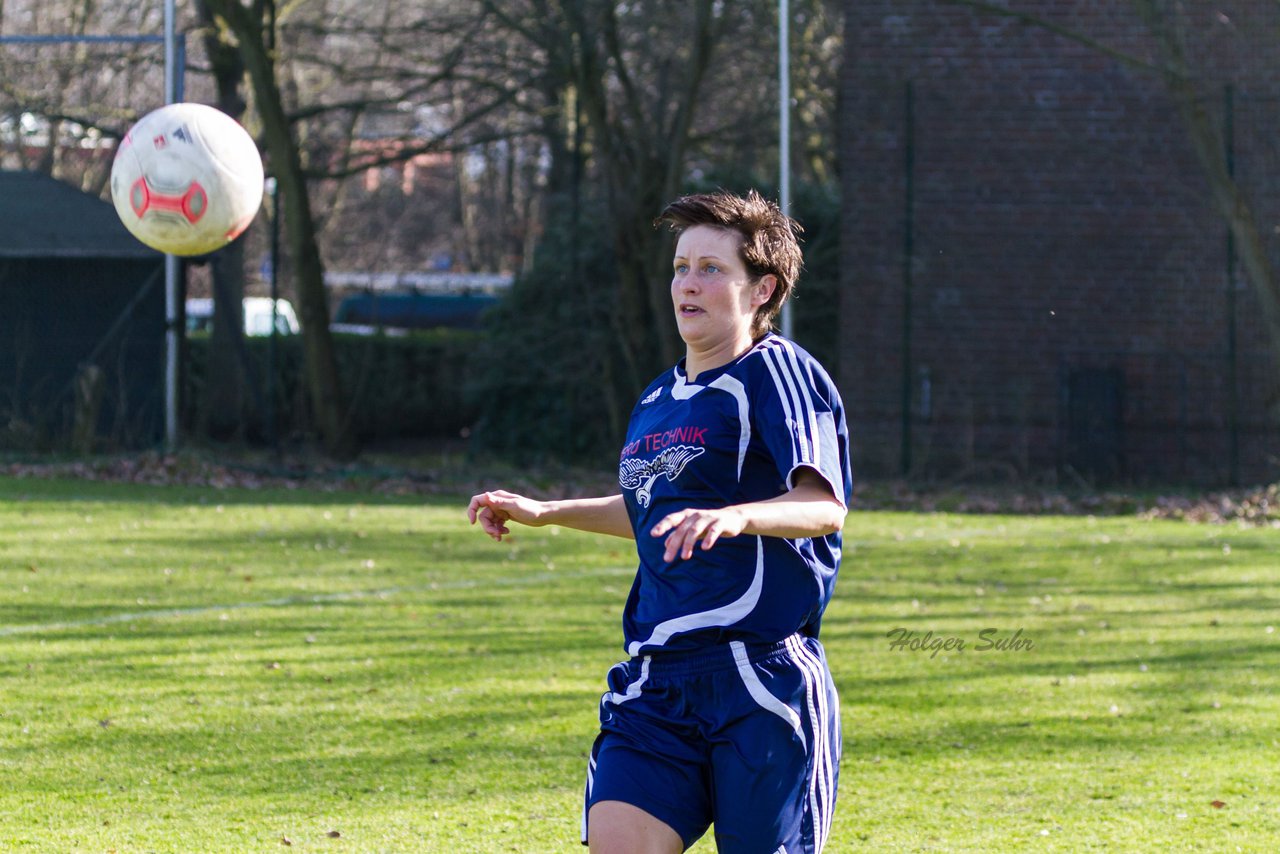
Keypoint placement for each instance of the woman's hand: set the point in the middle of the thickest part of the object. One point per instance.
(494, 509)
(808, 509)
(687, 527)
(604, 515)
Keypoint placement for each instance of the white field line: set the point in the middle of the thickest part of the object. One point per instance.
(317, 599)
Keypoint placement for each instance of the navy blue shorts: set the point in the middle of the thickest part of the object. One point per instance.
(745, 737)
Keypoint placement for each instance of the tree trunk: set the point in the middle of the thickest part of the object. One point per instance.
(225, 401)
(328, 405)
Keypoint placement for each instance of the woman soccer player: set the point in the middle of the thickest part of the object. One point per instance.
(735, 484)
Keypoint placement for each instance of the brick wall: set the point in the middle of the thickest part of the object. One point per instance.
(1065, 261)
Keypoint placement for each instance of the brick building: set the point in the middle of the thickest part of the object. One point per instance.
(1034, 279)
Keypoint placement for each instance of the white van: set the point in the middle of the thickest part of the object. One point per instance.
(257, 316)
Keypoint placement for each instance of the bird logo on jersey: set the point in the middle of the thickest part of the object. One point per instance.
(640, 474)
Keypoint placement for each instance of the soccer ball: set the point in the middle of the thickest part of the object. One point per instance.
(187, 179)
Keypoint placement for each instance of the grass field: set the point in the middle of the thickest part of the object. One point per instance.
(189, 669)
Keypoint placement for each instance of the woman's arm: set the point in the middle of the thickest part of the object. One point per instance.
(808, 509)
(605, 515)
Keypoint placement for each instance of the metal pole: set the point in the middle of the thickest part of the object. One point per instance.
(908, 281)
(273, 190)
(784, 129)
(1233, 356)
(171, 269)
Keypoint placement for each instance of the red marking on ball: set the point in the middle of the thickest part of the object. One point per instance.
(191, 205)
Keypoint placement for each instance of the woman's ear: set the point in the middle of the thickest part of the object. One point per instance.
(763, 289)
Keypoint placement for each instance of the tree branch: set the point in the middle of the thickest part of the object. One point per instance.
(613, 44)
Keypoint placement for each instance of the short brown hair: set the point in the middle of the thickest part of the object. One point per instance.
(770, 239)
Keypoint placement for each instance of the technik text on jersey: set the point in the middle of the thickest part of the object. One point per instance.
(657, 441)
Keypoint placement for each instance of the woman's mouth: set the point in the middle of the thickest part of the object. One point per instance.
(687, 310)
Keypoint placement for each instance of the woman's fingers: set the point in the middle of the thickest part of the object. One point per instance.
(495, 522)
(687, 527)
(713, 532)
(487, 509)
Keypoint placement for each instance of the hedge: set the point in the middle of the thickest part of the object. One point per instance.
(413, 386)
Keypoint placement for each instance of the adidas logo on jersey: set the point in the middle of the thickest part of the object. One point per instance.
(652, 396)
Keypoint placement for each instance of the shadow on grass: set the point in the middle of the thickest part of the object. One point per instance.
(320, 494)
(443, 750)
(329, 635)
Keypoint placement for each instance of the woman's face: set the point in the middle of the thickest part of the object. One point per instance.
(714, 299)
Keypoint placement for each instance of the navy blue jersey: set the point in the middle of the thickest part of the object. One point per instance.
(737, 434)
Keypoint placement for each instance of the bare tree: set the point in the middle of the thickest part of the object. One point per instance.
(252, 28)
(61, 103)
(633, 75)
(416, 85)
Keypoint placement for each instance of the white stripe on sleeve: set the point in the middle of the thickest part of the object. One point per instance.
(804, 383)
(799, 411)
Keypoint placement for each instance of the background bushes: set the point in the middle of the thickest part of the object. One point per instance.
(403, 387)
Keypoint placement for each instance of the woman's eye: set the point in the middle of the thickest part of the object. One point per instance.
(682, 268)
(712, 268)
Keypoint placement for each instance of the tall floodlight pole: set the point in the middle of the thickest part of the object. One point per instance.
(784, 127)
(171, 294)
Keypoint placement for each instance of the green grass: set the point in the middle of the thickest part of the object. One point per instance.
(197, 670)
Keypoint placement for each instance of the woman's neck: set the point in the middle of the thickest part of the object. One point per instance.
(699, 361)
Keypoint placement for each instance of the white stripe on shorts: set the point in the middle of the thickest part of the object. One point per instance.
(761, 694)
(591, 780)
(633, 690)
(821, 789)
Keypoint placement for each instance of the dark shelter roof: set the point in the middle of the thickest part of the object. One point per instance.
(41, 217)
